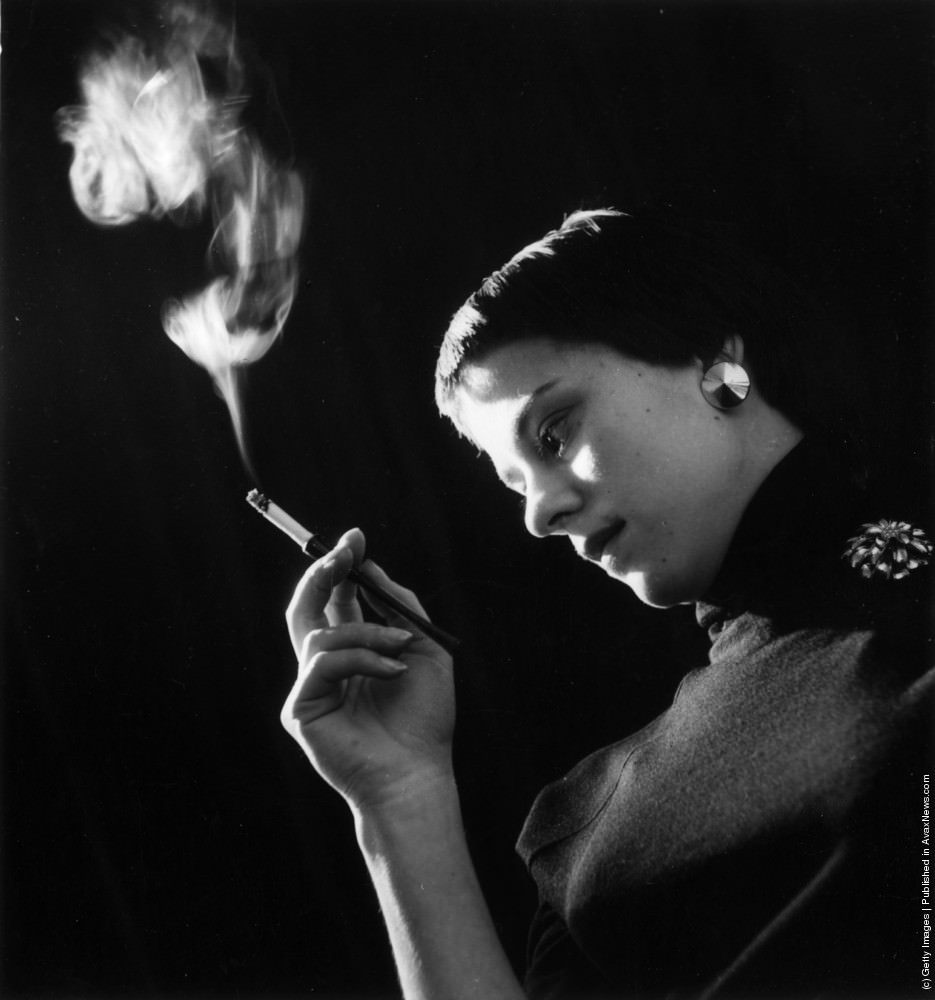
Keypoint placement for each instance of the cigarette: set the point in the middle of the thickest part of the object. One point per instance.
(314, 547)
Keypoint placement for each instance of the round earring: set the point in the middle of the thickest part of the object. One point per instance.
(725, 385)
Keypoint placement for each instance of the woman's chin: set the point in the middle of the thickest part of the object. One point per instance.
(660, 590)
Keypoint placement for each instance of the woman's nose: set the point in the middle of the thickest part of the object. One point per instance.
(549, 502)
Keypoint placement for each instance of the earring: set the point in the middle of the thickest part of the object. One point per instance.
(725, 385)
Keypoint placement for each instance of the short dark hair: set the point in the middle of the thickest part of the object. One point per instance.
(654, 291)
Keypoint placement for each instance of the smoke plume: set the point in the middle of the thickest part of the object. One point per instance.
(152, 138)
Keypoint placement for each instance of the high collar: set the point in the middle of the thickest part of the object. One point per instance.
(792, 533)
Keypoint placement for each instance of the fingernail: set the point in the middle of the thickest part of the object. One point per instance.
(397, 634)
(395, 665)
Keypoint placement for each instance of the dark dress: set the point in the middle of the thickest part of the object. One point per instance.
(763, 836)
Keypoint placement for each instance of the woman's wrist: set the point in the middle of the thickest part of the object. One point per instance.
(444, 941)
(408, 808)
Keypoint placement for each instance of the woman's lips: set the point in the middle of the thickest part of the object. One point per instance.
(597, 543)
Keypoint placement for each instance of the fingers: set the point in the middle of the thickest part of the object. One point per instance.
(331, 656)
(323, 596)
(356, 635)
(319, 690)
(355, 541)
(306, 610)
(327, 670)
(343, 606)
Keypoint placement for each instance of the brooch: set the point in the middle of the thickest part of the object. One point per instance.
(891, 549)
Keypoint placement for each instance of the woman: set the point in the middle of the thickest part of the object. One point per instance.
(656, 403)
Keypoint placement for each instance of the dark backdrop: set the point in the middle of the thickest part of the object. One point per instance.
(161, 835)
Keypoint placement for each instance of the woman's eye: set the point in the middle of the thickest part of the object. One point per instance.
(553, 436)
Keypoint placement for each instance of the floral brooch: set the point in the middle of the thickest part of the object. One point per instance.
(891, 549)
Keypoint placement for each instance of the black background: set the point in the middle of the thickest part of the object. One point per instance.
(161, 834)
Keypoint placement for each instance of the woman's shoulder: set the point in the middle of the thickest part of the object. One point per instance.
(568, 804)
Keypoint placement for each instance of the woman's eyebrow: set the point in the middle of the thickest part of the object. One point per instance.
(520, 425)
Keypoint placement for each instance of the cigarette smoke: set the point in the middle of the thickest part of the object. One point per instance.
(151, 138)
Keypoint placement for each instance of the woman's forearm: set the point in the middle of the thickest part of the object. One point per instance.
(443, 939)
(373, 708)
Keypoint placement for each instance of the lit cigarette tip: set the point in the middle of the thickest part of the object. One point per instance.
(259, 500)
(276, 515)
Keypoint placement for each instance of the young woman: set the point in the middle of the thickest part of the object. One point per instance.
(665, 409)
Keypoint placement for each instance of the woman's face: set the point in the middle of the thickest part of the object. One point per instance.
(625, 458)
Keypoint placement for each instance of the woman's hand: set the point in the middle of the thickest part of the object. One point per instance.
(381, 736)
(373, 705)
